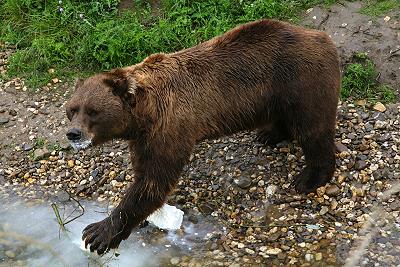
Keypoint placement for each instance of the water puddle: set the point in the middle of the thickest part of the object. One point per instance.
(31, 236)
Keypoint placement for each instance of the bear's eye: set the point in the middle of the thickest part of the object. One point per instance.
(91, 112)
(71, 113)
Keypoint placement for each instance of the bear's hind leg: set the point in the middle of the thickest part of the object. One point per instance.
(320, 162)
(273, 134)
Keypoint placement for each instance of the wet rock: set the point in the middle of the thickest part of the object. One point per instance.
(175, 260)
(243, 182)
(63, 196)
(10, 254)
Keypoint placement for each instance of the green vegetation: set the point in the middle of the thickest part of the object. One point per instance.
(79, 37)
(360, 81)
(378, 8)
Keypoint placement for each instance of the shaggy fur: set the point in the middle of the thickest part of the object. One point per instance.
(268, 75)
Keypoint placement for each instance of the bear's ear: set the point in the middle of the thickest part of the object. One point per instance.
(120, 84)
(79, 82)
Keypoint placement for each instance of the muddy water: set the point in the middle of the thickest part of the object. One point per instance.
(31, 236)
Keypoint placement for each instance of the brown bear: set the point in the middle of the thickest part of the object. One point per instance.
(268, 75)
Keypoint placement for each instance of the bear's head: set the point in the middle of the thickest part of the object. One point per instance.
(101, 109)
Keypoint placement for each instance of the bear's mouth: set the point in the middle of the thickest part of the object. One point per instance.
(80, 145)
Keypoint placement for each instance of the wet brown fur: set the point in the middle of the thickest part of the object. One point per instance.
(268, 75)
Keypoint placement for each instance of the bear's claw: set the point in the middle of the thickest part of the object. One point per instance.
(308, 181)
(104, 235)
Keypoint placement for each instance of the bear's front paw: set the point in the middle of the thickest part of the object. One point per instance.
(105, 235)
(309, 180)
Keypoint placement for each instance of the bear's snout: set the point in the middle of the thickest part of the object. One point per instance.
(74, 134)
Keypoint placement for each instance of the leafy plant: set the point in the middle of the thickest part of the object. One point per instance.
(360, 81)
(73, 36)
(378, 8)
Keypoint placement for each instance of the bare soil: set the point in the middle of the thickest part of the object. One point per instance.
(354, 32)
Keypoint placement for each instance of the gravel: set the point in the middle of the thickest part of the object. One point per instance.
(240, 187)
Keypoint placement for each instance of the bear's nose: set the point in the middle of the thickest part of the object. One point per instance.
(74, 134)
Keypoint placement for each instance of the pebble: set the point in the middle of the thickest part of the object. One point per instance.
(10, 254)
(71, 163)
(360, 165)
(309, 257)
(318, 256)
(175, 260)
(273, 251)
(332, 190)
(379, 107)
(4, 120)
(41, 153)
(243, 182)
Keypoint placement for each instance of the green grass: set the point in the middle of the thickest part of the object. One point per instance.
(103, 39)
(377, 8)
(360, 82)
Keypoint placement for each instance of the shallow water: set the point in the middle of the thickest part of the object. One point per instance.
(31, 236)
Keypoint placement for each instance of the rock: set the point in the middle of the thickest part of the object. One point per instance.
(321, 191)
(324, 210)
(62, 196)
(27, 147)
(64, 145)
(121, 177)
(379, 107)
(318, 256)
(309, 257)
(243, 182)
(207, 208)
(117, 184)
(41, 153)
(55, 80)
(94, 173)
(332, 190)
(271, 189)
(10, 254)
(340, 147)
(175, 260)
(71, 163)
(273, 251)
(112, 174)
(4, 120)
(11, 89)
(360, 165)
(361, 102)
(12, 112)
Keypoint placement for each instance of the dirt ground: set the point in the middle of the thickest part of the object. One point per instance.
(354, 32)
